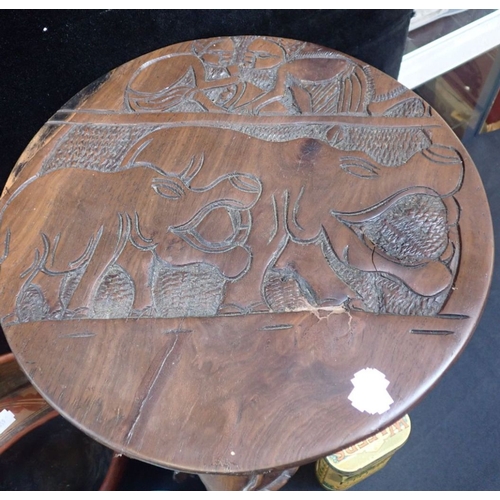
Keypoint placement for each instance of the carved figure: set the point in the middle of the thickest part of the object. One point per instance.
(246, 75)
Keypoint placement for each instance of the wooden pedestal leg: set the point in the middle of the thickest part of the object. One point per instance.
(270, 481)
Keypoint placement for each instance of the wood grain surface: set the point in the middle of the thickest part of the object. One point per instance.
(201, 250)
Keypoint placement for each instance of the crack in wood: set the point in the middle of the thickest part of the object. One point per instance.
(148, 394)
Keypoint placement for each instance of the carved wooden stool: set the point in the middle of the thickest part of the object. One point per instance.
(238, 255)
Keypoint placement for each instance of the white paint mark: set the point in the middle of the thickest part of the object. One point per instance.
(370, 391)
(6, 420)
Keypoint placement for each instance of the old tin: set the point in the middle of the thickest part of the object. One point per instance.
(351, 465)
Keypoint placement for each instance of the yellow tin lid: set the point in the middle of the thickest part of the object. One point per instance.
(357, 457)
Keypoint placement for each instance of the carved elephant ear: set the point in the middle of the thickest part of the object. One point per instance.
(194, 233)
(410, 229)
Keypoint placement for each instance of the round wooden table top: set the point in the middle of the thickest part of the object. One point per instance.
(238, 254)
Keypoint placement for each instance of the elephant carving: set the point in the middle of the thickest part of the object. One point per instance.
(80, 244)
